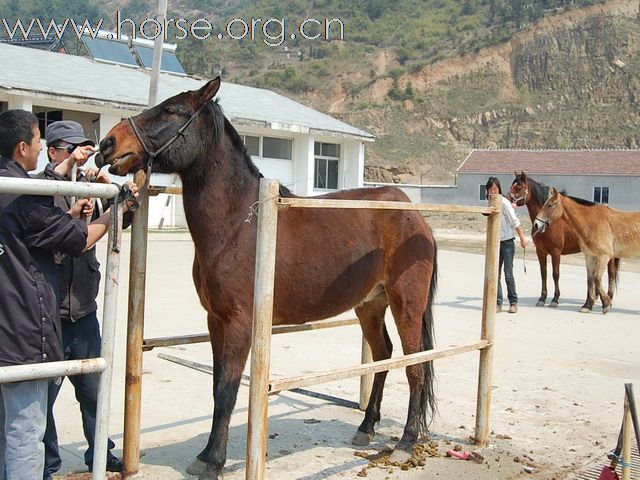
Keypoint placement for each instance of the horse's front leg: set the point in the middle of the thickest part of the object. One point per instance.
(555, 265)
(590, 263)
(542, 260)
(230, 344)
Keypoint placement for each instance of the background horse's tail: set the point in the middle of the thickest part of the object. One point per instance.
(427, 397)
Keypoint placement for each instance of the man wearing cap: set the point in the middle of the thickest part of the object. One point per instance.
(32, 228)
(67, 146)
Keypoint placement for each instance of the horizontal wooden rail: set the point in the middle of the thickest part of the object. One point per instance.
(383, 205)
(279, 385)
(151, 343)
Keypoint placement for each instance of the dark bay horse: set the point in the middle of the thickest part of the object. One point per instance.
(558, 239)
(603, 233)
(328, 260)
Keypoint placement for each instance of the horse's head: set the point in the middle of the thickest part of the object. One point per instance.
(158, 136)
(550, 212)
(519, 191)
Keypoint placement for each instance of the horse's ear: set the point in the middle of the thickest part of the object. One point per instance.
(524, 175)
(552, 191)
(208, 91)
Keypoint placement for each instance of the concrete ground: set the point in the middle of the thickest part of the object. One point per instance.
(558, 382)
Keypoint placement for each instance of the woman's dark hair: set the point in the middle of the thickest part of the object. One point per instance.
(491, 182)
(15, 126)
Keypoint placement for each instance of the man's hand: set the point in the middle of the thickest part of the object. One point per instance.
(82, 208)
(80, 155)
(130, 202)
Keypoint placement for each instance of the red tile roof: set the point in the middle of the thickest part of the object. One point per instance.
(553, 162)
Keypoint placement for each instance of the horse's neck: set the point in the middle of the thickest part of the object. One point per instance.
(573, 213)
(220, 203)
(533, 207)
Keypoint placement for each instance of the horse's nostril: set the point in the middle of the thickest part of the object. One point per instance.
(107, 144)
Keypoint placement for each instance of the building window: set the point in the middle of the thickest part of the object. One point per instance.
(327, 165)
(601, 195)
(268, 147)
(47, 117)
(276, 148)
(253, 145)
(483, 192)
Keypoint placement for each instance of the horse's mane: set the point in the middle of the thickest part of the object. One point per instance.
(236, 140)
(539, 191)
(581, 201)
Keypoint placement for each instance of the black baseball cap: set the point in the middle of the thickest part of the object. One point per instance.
(68, 131)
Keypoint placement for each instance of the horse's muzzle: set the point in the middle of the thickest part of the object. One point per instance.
(539, 226)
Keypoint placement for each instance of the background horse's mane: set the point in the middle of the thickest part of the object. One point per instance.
(581, 201)
(221, 122)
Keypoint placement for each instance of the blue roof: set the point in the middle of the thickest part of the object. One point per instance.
(85, 81)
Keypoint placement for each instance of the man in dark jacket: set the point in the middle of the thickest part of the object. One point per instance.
(80, 278)
(31, 229)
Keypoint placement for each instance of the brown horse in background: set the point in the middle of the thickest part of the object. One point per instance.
(327, 261)
(558, 239)
(603, 233)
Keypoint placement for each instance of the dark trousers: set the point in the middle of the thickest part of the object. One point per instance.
(507, 252)
(80, 339)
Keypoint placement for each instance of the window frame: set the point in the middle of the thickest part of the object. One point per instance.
(330, 160)
(600, 189)
(482, 193)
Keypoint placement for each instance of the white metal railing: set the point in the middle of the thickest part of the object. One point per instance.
(104, 364)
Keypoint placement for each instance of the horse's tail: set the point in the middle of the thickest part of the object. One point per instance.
(616, 274)
(427, 398)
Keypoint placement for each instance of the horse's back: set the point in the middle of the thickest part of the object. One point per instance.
(329, 259)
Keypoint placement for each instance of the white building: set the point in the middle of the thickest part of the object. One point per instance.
(308, 151)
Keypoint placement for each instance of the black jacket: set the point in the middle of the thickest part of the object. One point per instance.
(79, 276)
(32, 228)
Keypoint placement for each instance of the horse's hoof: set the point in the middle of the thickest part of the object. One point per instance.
(553, 305)
(585, 310)
(362, 439)
(197, 467)
(606, 309)
(399, 455)
(540, 303)
(210, 473)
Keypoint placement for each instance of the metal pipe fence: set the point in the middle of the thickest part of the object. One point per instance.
(104, 364)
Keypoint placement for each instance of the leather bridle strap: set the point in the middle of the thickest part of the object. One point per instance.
(165, 145)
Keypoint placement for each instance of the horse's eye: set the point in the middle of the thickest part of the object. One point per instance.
(170, 110)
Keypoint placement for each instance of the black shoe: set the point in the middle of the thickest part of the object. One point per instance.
(114, 464)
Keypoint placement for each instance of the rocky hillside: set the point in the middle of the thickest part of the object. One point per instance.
(571, 81)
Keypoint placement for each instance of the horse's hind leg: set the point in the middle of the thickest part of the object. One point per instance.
(555, 266)
(590, 263)
(371, 316)
(413, 317)
(230, 351)
(600, 266)
(612, 273)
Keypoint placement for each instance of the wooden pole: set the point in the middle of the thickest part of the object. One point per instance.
(137, 281)
(135, 333)
(366, 380)
(261, 333)
(485, 374)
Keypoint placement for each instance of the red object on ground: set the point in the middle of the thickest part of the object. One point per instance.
(460, 455)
